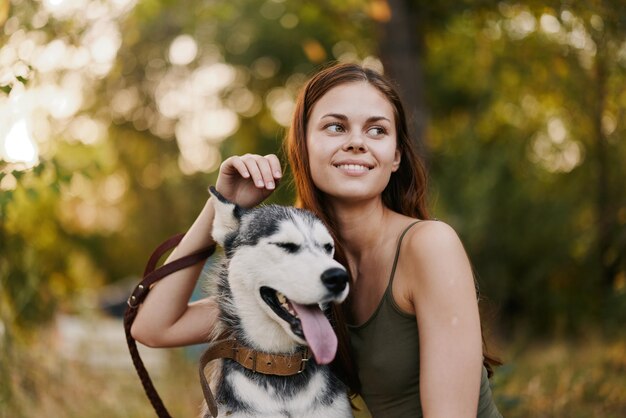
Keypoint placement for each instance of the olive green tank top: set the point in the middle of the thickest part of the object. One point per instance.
(386, 349)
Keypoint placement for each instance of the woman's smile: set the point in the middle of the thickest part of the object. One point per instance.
(353, 168)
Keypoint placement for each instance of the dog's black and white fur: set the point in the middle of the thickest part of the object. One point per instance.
(276, 258)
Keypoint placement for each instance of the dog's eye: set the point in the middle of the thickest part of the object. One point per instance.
(290, 247)
(328, 248)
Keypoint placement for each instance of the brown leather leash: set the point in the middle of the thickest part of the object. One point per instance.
(150, 276)
(223, 347)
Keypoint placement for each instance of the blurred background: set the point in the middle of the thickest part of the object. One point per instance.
(115, 116)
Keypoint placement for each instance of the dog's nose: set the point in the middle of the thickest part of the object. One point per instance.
(335, 279)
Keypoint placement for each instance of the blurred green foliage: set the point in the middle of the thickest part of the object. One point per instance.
(526, 116)
(525, 139)
(527, 144)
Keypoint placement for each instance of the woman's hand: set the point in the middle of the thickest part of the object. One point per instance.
(249, 179)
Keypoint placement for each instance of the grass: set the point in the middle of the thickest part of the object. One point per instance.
(548, 379)
(44, 381)
(572, 379)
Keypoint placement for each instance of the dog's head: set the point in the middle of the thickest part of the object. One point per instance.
(281, 260)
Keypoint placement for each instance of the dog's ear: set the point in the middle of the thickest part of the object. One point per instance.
(227, 216)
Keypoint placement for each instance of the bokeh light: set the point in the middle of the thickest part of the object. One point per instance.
(183, 50)
(19, 146)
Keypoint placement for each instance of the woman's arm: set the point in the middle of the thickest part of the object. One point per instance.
(166, 318)
(443, 294)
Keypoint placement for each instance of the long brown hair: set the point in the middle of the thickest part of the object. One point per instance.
(405, 193)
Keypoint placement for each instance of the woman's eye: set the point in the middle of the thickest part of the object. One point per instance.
(377, 131)
(334, 128)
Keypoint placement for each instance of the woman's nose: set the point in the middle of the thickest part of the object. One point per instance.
(355, 142)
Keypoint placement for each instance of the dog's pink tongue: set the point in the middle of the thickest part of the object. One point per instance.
(318, 332)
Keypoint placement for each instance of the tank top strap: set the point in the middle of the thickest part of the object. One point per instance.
(397, 256)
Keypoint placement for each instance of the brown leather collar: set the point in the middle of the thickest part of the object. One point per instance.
(256, 361)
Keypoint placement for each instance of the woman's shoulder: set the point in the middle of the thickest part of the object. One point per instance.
(432, 245)
(432, 264)
(429, 233)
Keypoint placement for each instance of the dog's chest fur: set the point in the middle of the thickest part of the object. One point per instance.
(313, 393)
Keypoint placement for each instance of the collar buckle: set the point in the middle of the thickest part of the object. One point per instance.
(304, 360)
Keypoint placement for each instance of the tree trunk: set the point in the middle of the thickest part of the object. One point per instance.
(402, 51)
(605, 211)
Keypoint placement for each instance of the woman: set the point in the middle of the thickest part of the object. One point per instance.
(412, 315)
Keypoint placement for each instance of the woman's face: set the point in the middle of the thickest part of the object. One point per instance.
(351, 141)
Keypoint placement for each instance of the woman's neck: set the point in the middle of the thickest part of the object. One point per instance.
(360, 227)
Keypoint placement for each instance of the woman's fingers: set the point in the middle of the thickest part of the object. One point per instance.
(274, 162)
(253, 168)
(263, 170)
(239, 165)
(248, 179)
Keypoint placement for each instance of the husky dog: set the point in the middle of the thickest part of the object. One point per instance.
(277, 276)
